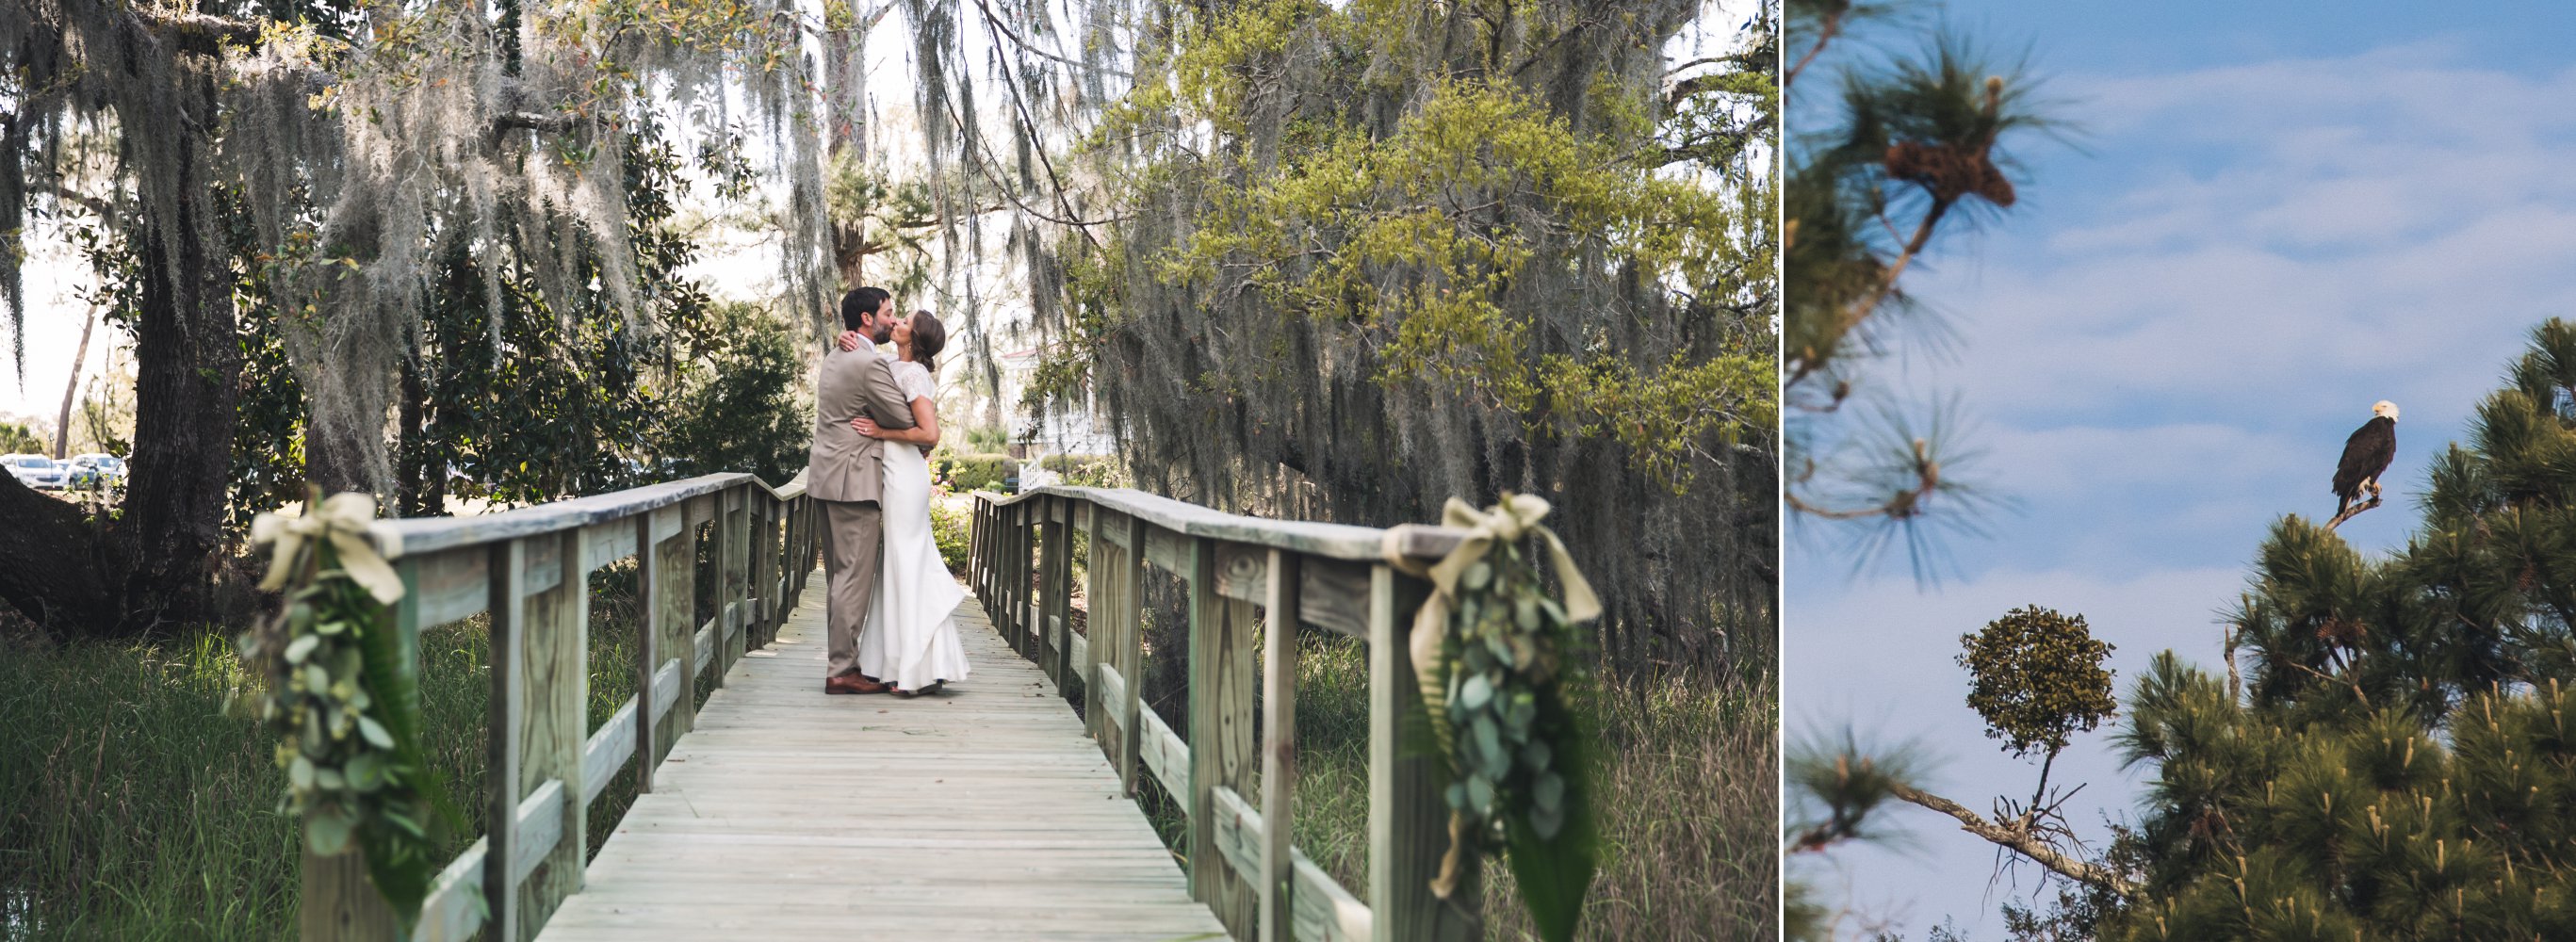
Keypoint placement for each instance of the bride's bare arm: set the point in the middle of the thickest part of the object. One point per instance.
(924, 431)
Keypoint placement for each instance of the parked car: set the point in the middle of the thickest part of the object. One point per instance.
(97, 470)
(36, 471)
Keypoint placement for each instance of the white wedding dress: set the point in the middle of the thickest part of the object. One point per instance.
(910, 641)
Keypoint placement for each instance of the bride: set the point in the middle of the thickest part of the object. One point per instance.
(910, 640)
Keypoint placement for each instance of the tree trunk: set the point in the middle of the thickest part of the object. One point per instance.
(153, 570)
(411, 454)
(188, 371)
(63, 419)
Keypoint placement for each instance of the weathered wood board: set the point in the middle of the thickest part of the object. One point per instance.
(983, 812)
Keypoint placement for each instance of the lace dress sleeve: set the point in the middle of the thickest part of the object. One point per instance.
(916, 382)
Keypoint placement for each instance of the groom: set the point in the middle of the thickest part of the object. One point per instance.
(846, 474)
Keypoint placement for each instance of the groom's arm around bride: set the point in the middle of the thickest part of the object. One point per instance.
(844, 473)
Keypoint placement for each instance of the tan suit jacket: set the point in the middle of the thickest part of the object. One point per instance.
(844, 464)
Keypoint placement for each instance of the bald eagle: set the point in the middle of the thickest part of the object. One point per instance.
(2365, 455)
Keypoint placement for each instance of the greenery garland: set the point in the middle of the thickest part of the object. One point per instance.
(339, 689)
(1498, 660)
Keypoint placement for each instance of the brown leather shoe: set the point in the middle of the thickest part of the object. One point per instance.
(853, 683)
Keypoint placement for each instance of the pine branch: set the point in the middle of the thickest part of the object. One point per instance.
(1905, 503)
(2018, 837)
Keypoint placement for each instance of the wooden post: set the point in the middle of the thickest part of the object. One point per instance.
(1278, 744)
(1130, 613)
(1055, 618)
(1408, 823)
(555, 727)
(508, 633)
(1024, 565)
(760, 595)
(1220, 734)
(974, 545)
(340, 901)
(677, 606)
(722, 562)
(766, 570)
(1095, 635)
(648, 648)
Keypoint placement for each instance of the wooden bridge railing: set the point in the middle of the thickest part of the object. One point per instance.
(1336, 579)
(529, 569)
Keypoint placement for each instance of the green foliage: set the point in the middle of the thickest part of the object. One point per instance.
(987, 439)
(743, 411)
(952, 526)
(2397, 764)
(2037, 677)
(1919, 145)
(341, 694)
(1086, 470)
(1513, 666)
(17, 438)
(1373, 255)
(969, 473)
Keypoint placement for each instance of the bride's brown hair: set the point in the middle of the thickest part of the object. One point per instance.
(929, 337)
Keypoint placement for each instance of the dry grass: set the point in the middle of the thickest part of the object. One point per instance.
(1688, 801)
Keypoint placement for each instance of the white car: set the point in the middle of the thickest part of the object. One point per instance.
(36, 471)
(95, 470)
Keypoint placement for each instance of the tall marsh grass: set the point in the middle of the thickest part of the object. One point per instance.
(133, 807)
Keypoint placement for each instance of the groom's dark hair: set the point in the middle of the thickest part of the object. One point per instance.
(861, 302)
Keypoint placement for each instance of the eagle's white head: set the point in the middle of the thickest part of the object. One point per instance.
(2385, 408)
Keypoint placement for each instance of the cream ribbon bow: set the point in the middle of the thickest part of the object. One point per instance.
(342, 519)
(1515, 517)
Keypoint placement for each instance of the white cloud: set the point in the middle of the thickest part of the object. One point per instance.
(2309, 235)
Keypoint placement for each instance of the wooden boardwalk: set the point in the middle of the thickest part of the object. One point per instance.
(983, 812)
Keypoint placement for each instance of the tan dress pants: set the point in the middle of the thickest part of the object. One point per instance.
(853, 555)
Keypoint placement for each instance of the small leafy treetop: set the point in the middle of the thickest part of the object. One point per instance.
(2037, 679)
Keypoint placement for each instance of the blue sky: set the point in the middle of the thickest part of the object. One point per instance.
(2274, 217)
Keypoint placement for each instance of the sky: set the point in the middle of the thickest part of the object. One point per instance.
(2270, 217)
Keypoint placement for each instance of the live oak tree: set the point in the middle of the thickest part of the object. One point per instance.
(294, 183)
(1368, 256)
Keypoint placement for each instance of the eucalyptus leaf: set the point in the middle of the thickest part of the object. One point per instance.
(1475, 692)
(1478, 576)
(375, 732)
(1480, 794)
(1536, 755)
(365, 772)
(328, 833)
(1525, 613)
(1547, 821)
(1549, 791)
(329, 780)
(332, 627)
(300, 773)
(316, 680)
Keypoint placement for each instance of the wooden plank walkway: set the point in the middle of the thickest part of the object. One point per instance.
(984, 812)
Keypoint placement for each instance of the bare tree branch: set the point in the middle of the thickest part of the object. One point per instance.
(2018, 837)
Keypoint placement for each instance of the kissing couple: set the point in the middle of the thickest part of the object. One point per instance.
(889, 597)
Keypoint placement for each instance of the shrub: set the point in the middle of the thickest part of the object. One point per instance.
(951, 526)
(969, 473)
(741, 412)
(1086, 470)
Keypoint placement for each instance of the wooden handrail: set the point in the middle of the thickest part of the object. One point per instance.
(1334, 577)
(528, 570)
